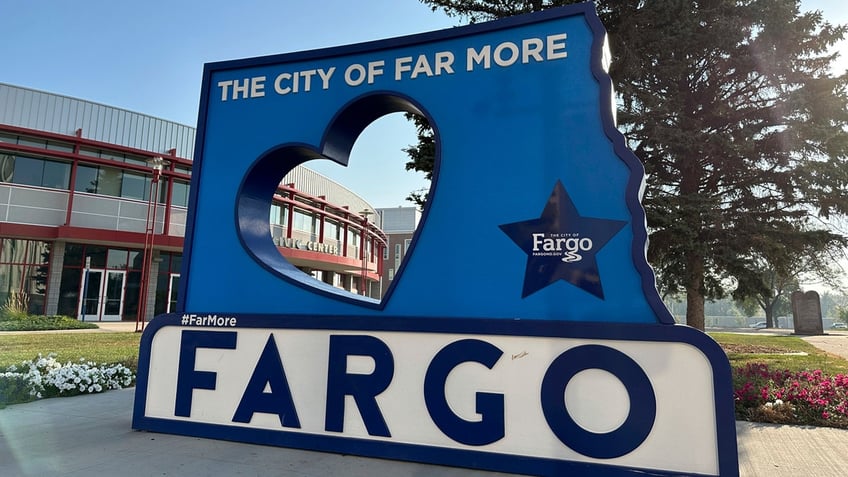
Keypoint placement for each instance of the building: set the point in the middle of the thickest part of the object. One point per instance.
(399, 224)
(93, 209)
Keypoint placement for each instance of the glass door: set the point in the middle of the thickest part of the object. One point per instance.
(89, 307)
(102, 299)
(112, 297)
(173, 290)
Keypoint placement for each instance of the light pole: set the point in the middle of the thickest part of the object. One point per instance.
(362, 241)
(156, 164)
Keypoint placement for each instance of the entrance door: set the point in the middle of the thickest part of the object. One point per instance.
(103, 298)
(173, 289)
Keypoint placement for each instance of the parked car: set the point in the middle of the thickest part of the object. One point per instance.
(839, 324)
(759, 325)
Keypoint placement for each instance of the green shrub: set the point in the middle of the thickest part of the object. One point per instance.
(14, 388)
(42, 323)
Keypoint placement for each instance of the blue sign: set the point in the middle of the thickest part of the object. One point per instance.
(549, 351)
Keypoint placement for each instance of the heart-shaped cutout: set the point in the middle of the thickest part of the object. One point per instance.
(255, 194)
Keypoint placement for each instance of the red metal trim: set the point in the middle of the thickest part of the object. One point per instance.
(52, 153)
(87, 235)
(78, 139)
(352, 265)
(372, 230)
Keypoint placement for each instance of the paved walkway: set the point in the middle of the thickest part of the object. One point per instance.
(91, 435)
(834, 342)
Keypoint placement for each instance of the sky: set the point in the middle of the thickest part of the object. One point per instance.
(148, 57)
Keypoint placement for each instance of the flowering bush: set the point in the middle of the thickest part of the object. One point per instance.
(46, 377)
(785, 397)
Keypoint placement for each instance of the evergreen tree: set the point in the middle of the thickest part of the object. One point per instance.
(731, 107)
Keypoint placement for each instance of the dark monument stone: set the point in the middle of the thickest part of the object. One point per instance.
(806, 310)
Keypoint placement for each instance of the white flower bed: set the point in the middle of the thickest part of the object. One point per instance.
(46, 377)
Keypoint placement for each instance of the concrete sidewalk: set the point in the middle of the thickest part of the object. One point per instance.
(90, 435)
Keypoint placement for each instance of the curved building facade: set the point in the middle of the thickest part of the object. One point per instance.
(93, 208)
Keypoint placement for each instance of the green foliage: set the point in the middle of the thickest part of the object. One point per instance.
(422, 155)
(484, 10)
(13, 389)
(842, 314)
(15, 307)
(16, 322)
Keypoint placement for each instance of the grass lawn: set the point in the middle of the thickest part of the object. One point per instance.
(779, 352)
(100, 347)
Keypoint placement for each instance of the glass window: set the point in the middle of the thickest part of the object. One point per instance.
(89, 151)
(276, 214)
(69, 291)
(86, 179)
(13, 250)
(7, 167)
(39, 252)
(180, 193)
(98, 256)
(56, 175)
(60, 146)
(25, 141)
(303, 221)
(331, 230)
(353, 237)
(162, 282)
(135, 160)
(117, 259)
(109, 181)
(28, 171)
(37, 172)
(176, 263)
(135, 258)
(133, 288)
(23, 273)
(73, 255)
(110, 155)
(134, 186)
(406, 245)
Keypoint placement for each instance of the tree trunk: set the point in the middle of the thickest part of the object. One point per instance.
(769, 310)
(695, 292)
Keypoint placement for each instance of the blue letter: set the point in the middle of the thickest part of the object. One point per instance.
(363, 387)
(269, 371)
(187, 378)
(643, 402)
(490, 427)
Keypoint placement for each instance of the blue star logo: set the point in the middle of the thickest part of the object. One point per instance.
(562, 245)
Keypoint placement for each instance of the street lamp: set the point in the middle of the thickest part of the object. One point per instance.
(156, 164)
(364, 213)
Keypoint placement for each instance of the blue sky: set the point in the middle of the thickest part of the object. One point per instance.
(148, 57)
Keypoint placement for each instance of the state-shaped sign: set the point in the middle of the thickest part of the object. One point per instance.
(548, 351)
